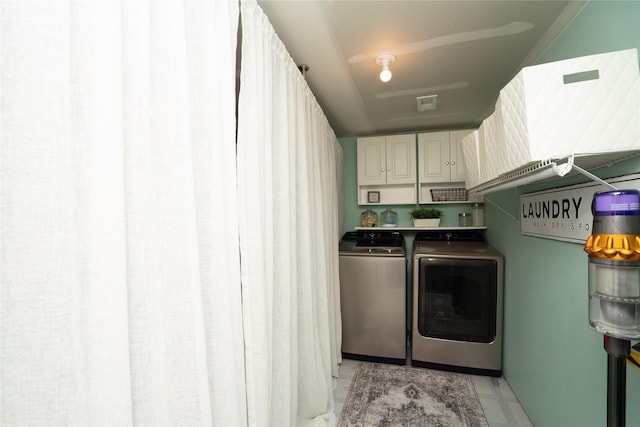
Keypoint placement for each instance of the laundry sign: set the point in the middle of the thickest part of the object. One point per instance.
(565, 213)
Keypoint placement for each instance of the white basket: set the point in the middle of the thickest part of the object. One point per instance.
(584, 105)
(448, 194)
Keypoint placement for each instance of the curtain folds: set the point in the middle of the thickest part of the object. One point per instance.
(121, 298)
(288, 178)
(156, 269)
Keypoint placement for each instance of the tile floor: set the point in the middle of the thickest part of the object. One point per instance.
(500, 405)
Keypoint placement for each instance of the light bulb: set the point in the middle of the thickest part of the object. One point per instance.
(385, 60)
(385, 75)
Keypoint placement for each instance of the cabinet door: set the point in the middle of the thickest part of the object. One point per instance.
(458, 170)
(372, 169)
(401, 159)
(433, 157)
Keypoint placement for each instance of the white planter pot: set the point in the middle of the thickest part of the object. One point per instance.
(426, 222)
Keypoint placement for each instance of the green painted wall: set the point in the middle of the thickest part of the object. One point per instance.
(555, 364)
(553, 361)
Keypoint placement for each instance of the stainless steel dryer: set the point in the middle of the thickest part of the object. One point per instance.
(373, 279)
(457, 303)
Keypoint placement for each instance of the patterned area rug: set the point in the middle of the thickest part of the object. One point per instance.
(389, 395)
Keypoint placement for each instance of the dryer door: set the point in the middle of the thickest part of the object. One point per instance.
(457, 299)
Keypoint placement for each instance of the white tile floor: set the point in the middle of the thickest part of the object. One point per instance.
(501, 407)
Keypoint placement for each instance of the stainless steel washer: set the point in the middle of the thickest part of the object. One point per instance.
(373, 296)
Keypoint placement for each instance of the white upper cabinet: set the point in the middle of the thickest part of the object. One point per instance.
(440, 156)
(387, 160)
(387, 172)
(372, 160)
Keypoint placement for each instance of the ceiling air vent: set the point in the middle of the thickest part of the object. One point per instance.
(426, 103)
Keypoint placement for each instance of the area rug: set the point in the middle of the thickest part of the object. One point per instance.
(389, 395)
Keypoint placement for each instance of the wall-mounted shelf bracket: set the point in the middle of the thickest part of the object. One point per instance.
(593, 177)
(555, 168)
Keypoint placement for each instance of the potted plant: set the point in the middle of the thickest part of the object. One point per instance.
(426, 217)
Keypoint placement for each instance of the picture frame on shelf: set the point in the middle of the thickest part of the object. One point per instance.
(373, 197)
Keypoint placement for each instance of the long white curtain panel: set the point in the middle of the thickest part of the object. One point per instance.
(121, 298)
(288, 160)
(157, 270)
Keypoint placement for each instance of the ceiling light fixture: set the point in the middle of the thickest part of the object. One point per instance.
(385, 61)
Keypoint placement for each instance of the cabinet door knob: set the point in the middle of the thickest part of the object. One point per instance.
(388, 170)
(447, 162)
(453, 162)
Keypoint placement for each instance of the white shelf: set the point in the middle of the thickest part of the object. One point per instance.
(440, 228)
(554, 168)
(458, 202)
(389, 194)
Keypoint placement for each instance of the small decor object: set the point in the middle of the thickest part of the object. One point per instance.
(464, 219)
(389, 218)
(477, 214)
(385, 395)
(426, 217)
(368, 218)
(373, 197)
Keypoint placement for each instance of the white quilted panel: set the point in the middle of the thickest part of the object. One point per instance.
(543, 117)
(513, 116)
(485, 170)
(497, 159)
(470, 146)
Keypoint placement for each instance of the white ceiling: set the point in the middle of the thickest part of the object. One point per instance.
(462, 51)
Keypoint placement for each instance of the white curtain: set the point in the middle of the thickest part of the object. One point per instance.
(121, 298)
(147, 279)
(289, 164)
